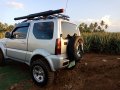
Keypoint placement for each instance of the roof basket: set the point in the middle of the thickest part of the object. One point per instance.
(43, 15)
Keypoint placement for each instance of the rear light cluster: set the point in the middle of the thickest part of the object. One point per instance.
(58, 46)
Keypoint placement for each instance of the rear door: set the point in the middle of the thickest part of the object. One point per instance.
(67, 28)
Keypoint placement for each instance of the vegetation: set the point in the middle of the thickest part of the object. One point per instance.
(4, 28)
(12, 74)
(102, 42)
(93, 27)
(99, 41)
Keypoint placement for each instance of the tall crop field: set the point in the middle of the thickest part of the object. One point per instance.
(102, 42)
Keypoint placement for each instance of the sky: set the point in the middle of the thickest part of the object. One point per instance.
(79, 10)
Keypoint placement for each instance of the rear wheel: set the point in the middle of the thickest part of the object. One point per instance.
(41, 73)
(78, 50)
(2, 61)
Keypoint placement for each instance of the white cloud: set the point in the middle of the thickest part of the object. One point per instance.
(16, 5)
(107, 19)
(114, 25)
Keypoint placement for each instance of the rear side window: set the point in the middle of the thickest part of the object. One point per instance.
(43, 30)
(68, 29)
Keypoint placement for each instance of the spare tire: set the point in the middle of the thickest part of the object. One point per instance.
(75, 48)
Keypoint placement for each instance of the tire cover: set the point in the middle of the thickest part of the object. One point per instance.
(72, 48)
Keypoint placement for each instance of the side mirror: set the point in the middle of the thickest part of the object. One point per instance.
(7, 35)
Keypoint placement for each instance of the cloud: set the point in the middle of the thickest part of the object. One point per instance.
(114, 25)
(16, 5)
(106, 19)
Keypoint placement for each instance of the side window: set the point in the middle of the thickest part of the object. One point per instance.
(20, 33)
(43, 30)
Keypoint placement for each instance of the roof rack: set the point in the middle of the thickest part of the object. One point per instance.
(45, 15)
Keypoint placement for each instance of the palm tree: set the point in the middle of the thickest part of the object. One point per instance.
(106, 26)
(99, 28)
(95, 26)
(91, 27)
(81, 27)
(102, 23)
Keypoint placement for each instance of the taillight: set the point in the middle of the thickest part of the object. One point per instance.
(58, 47)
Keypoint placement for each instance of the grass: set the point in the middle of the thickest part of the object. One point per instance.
(13, 73)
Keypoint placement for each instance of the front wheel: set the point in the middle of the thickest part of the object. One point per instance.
(41, 73)
(2, 60)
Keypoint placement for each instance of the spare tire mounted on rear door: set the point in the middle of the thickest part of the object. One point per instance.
(75, 48)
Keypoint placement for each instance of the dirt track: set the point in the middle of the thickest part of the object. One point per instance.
(94, 72)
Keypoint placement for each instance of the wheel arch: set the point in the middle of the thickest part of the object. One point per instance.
(3, 49)
(49, 63)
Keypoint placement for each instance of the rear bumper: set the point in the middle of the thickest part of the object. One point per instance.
(57, 61)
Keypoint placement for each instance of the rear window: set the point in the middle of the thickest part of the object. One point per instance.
(43, 30)
(68, 29)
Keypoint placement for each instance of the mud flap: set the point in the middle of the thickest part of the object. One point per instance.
(71, 64)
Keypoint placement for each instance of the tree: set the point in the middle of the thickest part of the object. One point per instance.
(81, 27)
(102, 23)
(99, 28)
(10, 28)
(106, 26)
(5, 27)
(93, 27)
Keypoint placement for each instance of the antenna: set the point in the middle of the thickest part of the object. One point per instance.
(66, 6)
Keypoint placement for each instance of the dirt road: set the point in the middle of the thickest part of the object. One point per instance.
(94, 72)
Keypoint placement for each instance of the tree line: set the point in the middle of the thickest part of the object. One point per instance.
(5, 27)
(93, 27)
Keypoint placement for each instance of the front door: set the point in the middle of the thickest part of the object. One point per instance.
(17, 44)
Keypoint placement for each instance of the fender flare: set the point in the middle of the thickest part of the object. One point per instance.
(2, 47)
(43, 53)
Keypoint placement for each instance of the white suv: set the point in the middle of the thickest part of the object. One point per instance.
(46, 41)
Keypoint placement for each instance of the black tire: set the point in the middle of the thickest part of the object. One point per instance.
(2, 60)
(74, 44)
(46, 76)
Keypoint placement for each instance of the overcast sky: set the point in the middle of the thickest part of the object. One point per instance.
(79, 10)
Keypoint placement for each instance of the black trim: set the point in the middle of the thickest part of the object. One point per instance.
(44, 14)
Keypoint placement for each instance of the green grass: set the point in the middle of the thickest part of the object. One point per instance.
(13, 73)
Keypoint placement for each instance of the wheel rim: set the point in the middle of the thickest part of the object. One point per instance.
(38, 73)
(78, 49)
